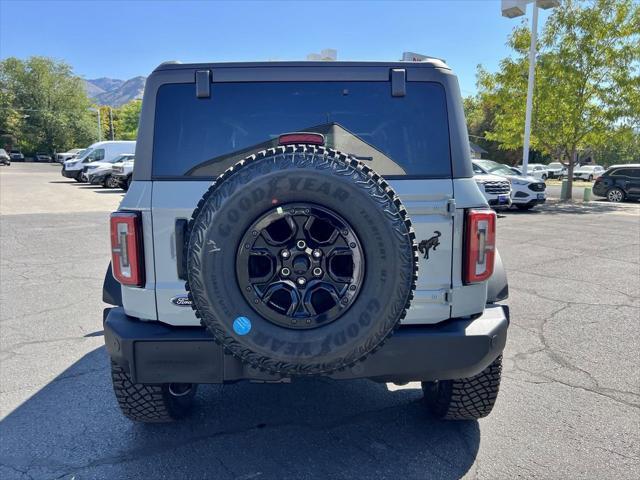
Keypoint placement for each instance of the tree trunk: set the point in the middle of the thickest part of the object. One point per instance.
(572, 163)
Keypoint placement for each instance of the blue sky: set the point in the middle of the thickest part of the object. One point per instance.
(122, 39)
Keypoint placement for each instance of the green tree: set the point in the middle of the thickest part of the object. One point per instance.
(587, 81)
(480, 115)
(126, 120)
(48, 105)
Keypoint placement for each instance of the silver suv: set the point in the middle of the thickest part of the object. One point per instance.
(304, 219)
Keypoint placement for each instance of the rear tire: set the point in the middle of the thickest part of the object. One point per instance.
(615, 195)
(467, 398)
(151, 403)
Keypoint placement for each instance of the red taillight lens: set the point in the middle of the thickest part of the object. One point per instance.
(480, 245)
(302, 137)
(127, 259)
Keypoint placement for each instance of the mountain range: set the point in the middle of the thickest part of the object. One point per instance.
(114, 92)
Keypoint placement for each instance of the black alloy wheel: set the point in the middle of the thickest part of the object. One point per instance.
(300, 266)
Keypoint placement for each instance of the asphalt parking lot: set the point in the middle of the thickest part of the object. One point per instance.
(569, 405)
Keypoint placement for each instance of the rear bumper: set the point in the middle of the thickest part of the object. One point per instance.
(599, 189)
(153, 352)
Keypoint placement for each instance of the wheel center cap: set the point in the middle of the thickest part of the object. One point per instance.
(301, 264)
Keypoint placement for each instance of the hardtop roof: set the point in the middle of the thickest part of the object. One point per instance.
(428, 63)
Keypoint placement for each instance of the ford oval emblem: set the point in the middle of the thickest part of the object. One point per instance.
(181, 301)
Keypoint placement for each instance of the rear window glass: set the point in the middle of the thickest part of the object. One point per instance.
(394, 135)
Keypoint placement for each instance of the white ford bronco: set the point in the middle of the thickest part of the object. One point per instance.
(301, 219)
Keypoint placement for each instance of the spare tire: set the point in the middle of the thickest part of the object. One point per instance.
(300, 260)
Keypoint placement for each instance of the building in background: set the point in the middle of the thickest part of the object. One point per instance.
(326, 55)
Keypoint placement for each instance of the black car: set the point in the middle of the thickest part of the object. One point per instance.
(618, 183)
(42, 157)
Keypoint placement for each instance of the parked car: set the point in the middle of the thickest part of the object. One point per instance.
(536, 170)
(588, 172)
(300, 260)
(123, 173)
(5, 159)
(526, 191)
(42, 157)
(73, 153)
(101, 151)
(101, 173)
(497, 190)
(556, 170)
(618, 183)
(16, 156)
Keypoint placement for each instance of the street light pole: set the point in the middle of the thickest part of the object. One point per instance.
(97, 110)
(532, 73)
(513, 9)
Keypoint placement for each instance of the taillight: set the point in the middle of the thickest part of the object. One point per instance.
(127, 258)
(480, 245)
(301, 137)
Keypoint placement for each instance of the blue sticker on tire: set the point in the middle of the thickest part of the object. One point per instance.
(242, 325)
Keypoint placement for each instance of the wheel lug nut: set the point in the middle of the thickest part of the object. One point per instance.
(301, 281)
(345, 301)
(285, 253)
(285, 272)
(317, 271)
(301, 244)
(352, 245)
(352, 288)
(317, 253)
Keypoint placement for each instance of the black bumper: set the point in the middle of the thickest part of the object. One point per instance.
(535, 201)
(494, 202)
(98, 179)
(70, 173)
(158, 353)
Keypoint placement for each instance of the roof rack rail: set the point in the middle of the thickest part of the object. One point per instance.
(418, 57)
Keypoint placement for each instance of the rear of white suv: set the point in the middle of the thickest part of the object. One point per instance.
(303, 219)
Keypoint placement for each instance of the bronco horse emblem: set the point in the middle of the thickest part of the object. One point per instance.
(429, 243)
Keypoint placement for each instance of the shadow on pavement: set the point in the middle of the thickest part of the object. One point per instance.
(581, 208)
(63, 181)
(307, 429)
(110, 190)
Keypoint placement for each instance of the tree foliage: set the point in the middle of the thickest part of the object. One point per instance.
(44, 106)
(587, 83)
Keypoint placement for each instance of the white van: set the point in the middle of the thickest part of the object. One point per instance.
(98, 152)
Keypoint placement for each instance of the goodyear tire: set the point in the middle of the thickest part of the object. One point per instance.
(151, 403)
(466, 398)
(294, 181)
